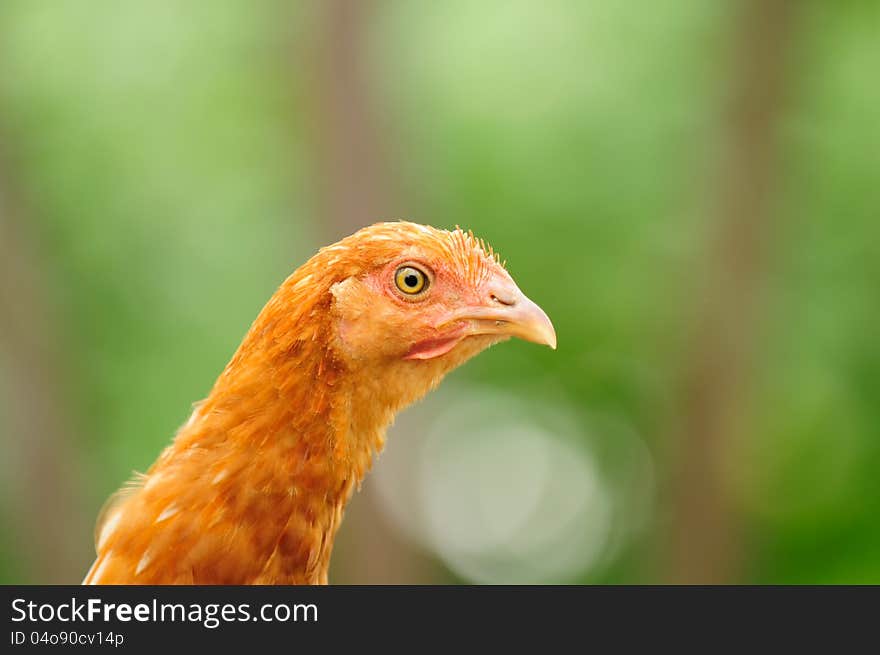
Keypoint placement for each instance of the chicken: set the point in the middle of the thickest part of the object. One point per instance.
(253, 487)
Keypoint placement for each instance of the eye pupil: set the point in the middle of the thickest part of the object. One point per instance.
(411, 280)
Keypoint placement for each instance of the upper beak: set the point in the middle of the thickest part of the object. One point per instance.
(507, 311)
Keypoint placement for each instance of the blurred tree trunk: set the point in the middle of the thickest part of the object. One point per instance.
(355, 189)
(46, 519)
(706, 539)
(353, 176)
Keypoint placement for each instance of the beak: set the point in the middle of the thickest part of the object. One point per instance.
(506, 311)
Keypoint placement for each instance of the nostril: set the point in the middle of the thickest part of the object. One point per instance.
(501, 300)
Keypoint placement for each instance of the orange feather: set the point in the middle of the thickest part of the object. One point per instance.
(254, 485)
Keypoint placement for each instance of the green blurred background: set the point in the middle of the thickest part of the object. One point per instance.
(688, 188)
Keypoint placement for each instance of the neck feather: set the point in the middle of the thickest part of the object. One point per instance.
(279, 445)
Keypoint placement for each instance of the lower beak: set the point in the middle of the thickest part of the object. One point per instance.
(508, 312)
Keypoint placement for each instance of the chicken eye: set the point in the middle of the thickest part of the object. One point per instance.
(410, 280)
